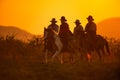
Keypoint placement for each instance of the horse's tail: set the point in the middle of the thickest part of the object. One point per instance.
(107, 47)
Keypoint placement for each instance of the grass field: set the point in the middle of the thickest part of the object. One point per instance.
(20, 61)
(35, 70)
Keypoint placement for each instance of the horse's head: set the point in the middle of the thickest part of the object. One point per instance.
(45, 33)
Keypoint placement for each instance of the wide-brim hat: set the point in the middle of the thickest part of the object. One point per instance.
(77, 21)
(63, 18)
(53, 20)
(90, 18)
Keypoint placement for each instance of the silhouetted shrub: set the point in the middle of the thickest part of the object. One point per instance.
(36, 41)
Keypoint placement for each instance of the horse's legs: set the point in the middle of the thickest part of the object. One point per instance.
(99, 54)
(59, 46)
(83, 55)
(61, 59)
(89, 55)
(107, 47)
(56, 53)
(71, 58)
(46, 56)
(103, 52)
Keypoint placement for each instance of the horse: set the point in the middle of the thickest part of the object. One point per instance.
(53, 44)
(89, 45)
(49, 36)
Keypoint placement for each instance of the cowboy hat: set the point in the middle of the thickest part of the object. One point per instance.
(63, 18)
(77, 21)
(53, 20)
(90, 18)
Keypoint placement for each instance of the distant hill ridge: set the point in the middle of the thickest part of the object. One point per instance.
(19, 33)
(109, 27)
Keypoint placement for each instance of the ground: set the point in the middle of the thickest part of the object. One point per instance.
(34, 69)
(22, 61)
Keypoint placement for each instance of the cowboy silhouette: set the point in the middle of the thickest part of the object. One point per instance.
(91, 28)
(64, 32)
(53, 25)
(78, 32)
(54, 28)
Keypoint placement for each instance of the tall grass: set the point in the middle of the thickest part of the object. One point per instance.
(24, 61)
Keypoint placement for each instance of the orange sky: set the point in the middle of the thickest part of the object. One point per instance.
(33, 15)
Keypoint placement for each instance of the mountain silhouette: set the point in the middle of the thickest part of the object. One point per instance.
(109, 28)
(18, 33)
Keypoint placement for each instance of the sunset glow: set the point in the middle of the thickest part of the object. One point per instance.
(34, 15)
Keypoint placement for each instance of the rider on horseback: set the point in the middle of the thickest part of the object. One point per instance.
(78, 32)
(64, 33)
(53, 27)
(91, 28)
